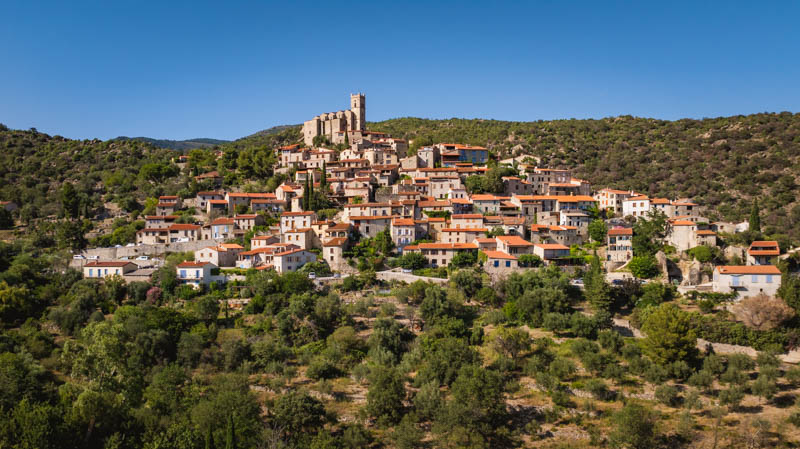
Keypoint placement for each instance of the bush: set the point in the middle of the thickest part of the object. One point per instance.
(598, 389)
(667, 395)
(321, 368)
(643, 267)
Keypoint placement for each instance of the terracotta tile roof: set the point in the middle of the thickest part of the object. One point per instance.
(620, 231)
(160, 217)
(433, 204)
(287, 253)
(683, 223)
(552, 246)
(498, 255)
(371, 217)
(189, 264)
(466, 216)
(183, 227)
(108, 264)
(336, 241)
(211, 174)
(454, 246)
(465, 230)
(748, 269)
(218, 202)
(513, 240)
(403, 222)
(223, 221)
(706, 232)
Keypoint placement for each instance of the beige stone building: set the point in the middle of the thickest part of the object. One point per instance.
(335, 125)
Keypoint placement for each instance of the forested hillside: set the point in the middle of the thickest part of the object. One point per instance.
(34, 166)
(187, 144)
(723, 163)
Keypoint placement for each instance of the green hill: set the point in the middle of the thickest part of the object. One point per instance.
(723, 163)
(187, 144)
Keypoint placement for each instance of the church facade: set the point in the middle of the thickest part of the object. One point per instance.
(336, 125)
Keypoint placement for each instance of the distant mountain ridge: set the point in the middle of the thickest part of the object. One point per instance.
(188, 144)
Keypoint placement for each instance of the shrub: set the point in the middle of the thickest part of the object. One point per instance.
(667, 395)
(643, 267)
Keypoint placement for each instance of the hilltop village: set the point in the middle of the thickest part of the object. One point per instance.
(332, 286)
(432, 210)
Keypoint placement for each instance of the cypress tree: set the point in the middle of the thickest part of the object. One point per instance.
(755, 217)
(230, 436)
(323, 182)
(209, 439)
(306, 196)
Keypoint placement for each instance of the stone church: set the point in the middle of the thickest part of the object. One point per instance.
(336, 125)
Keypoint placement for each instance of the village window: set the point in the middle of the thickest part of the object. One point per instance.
(90, 272)
(754, 278)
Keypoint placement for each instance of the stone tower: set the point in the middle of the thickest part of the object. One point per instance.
(359, 107)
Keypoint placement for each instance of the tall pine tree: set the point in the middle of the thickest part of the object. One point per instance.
(209, 439)
(323, 182)
(596, 289)
(230, 435)
(306, 195)
(755, 217)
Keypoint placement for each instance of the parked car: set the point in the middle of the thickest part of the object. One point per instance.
(576, 282)
(129, 245)
(78, 257)
(142, 258)
(92, 257)
(407, 270)
(312, 275)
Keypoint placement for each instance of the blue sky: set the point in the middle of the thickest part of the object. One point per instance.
(178, 70)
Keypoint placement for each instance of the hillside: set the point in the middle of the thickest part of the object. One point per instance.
(723, 163)
(34, 166)
(188, 144)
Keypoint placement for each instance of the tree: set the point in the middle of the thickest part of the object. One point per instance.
(763, 312)
(764, 386)
(648, 233)
(670, 335)
(634, 428)
(755, 218)
(596, 289)
(230, 434)
(70, 202)
(468, 280)
(298, 413)
(476, 415)
(323, 182)
(643, 266)
(464, 259)
(510, 341)
(385, 395)
(6, 220)
(412, 261)
(209, 439)
(598, 230)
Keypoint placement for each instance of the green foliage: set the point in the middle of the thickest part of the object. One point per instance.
(644, 267)
(412, 261)
(670, 335)
(385, 395)
(634, 427)
(598, 230)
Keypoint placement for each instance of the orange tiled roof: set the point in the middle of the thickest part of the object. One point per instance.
(748, 269)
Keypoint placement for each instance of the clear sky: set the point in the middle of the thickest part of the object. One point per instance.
(176, 70)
